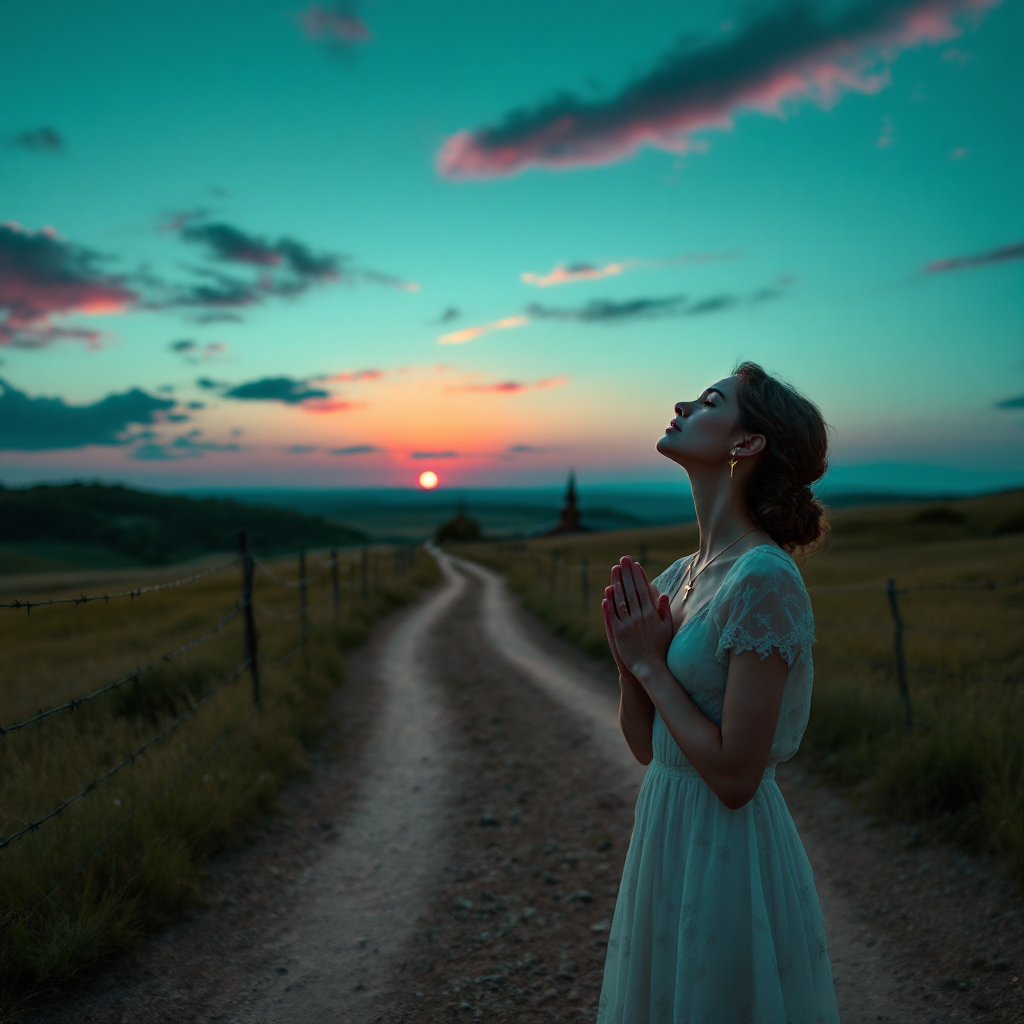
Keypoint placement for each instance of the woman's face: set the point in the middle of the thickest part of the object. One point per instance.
(703, 431)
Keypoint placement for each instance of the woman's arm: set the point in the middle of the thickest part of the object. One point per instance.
(732, 757)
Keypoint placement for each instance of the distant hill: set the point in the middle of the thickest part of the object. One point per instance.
(92, 523)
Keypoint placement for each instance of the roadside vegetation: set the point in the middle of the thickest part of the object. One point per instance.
(958, 774)
(128, 857)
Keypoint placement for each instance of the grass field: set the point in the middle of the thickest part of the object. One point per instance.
(129, 855)
(960, 773)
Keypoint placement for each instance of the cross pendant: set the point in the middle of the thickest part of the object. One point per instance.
(686, 590)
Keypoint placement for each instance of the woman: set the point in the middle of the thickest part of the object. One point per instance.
(717, 918)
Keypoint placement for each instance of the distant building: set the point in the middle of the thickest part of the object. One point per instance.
(569, 515)
(459, 528)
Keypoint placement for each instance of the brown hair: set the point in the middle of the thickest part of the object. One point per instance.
(779, 497)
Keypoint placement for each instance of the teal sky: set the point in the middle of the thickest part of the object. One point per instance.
(810, 237)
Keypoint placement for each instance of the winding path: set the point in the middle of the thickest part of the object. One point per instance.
(361, 900)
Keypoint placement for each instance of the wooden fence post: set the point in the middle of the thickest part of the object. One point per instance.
(303, 608)
(901, 661)
(334, 583)
(250, 624)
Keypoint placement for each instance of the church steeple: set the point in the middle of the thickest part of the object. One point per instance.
(569, 520)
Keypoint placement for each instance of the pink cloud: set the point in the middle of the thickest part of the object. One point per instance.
(785, 57)
(570, 273)
(472, 333)
(351, 376)
(43, 275)
(1004, 254)
(511, 387)
(339, 24)
(326, 405)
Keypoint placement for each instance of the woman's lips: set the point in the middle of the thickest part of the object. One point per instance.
(672, 426)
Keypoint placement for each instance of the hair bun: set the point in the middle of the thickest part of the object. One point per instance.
(779, 498)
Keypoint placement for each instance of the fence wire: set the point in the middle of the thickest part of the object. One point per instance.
(16, 915)
(281, 581)
(77, 702)
(130, 759)
(133, 593)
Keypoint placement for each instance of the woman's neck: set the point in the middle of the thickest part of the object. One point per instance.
(721, 509)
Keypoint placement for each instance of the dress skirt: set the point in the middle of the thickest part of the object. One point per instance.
(717, 919)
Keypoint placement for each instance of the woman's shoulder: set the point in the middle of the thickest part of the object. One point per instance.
(668, 581)
(763, 565)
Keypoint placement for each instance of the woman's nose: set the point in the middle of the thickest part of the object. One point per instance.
(682, 408)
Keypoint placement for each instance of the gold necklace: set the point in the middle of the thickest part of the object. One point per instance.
(691, 580)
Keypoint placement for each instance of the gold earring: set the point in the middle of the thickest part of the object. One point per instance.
(732, 462)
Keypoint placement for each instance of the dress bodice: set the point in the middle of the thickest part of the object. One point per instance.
(762, 605)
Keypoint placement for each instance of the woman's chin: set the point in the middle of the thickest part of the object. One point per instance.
(665, 447)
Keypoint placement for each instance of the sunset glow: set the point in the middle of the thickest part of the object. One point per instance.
(279, 297)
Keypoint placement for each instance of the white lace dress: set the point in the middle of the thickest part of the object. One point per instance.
(717, 918)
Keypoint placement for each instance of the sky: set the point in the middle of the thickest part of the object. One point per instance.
(261, 243)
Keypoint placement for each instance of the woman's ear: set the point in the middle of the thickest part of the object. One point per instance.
(752, 444)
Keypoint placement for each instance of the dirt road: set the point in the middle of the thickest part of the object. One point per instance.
(455, 856)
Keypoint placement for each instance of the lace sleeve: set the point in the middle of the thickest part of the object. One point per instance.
(765, 609)
(668, 581)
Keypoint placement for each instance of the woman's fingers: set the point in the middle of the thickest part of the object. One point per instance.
(665, 608)
(628, 585)
(643, 589)
(621, 605)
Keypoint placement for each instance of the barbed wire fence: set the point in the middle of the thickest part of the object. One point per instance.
(570, 581)
(373, 570)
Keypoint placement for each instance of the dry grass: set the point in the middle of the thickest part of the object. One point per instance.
(960, 774)
(131, 853)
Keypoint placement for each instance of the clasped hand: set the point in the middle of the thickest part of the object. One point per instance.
(637, 620)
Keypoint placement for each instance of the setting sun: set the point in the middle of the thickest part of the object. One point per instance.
(428, 480)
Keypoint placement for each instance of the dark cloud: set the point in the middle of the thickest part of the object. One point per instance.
(38, 424)
(1017, 402)
(285, 268)
(232, 245)
(609, 311)
(39, 140)
(301, 449)
(1004, 254)
(355, 449)
(187, 446)
(784, 56)
(434, 455)
(276, 389)
(448, 315)
(523, 449)
(210, 385)
(339, 24)
(194, 352)
(43, 275)
(715, 304)
(606, 311)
